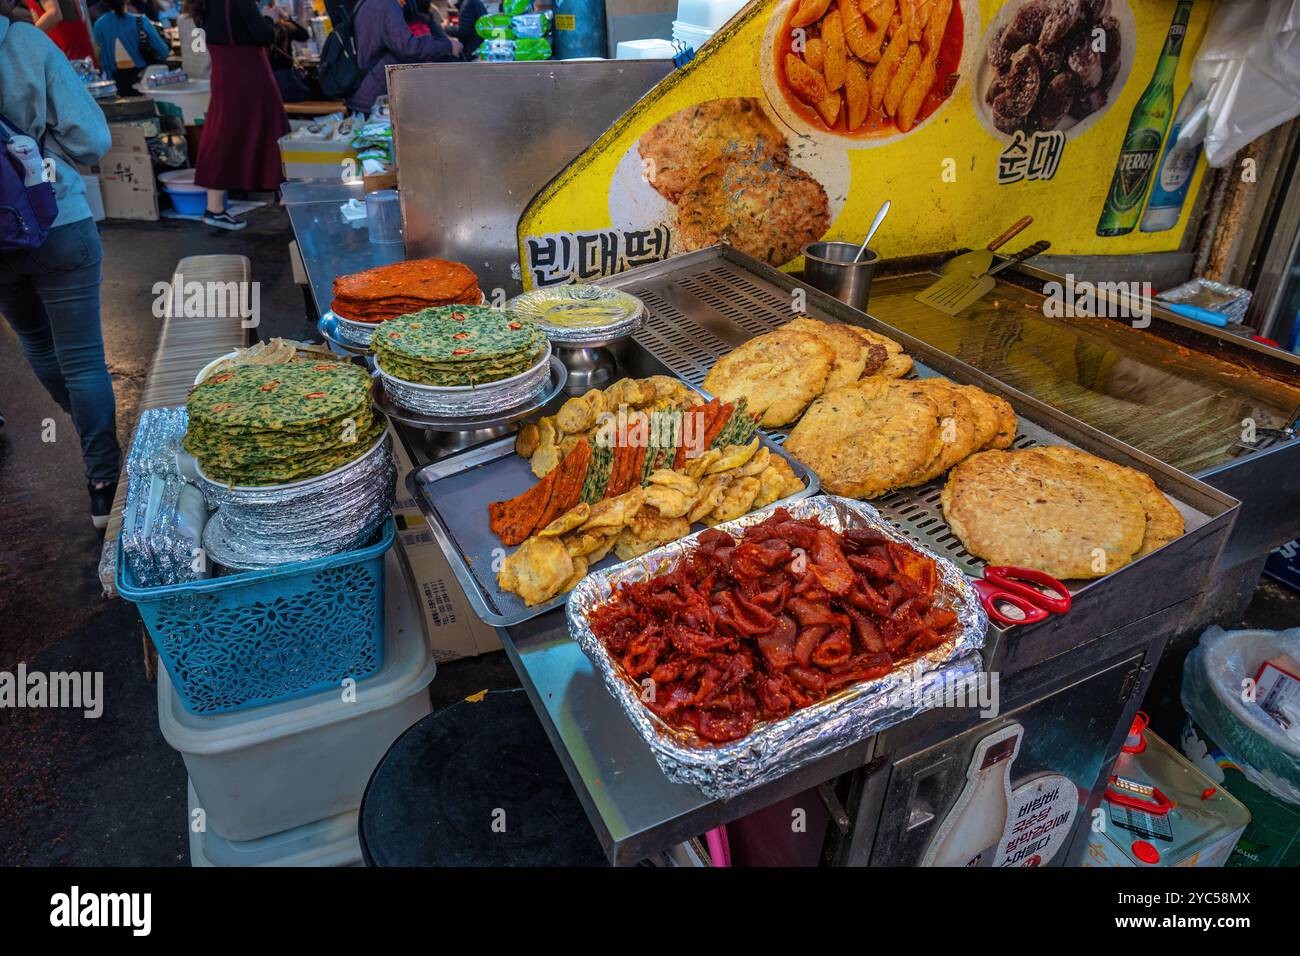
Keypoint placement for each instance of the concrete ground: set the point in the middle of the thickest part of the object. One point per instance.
(110, 791)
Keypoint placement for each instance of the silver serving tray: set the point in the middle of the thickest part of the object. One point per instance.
(454, 495)
(774, 748)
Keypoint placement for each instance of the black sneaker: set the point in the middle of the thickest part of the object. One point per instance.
(101, 502)
(223, 220)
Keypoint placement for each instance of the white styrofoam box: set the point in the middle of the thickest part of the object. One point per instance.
(707, 14)
(650, 49)
(691, 36)
(189, 99)
(268, 769)
(94, 196)
(331, 842)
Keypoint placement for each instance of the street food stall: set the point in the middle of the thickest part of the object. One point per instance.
(907, 565)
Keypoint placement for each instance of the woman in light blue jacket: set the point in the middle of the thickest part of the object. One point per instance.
(50, 295)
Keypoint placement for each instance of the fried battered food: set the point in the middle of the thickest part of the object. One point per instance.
(527, 440)
(567, 521)
(987, 418)
(684, 143)
(850, 349)
(738, 500)
(733, 456)
(809, 11)
(712, 490)
(902, 77)
(813, 53)
(1032, 509)
(875, 338)
(579, 414)
(885, 69)
(669, 502)
(778, 374)
(697, 467)
(667, 478)
(614, 512)
(767, 210)
(776, 482)
(756, 465)
(896, 366)
(914, 95)
(956, 426)
(648, 530)
(1164, 521)
(536, 571)
(864, 445)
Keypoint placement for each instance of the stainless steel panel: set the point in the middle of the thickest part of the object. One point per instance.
(475, 144)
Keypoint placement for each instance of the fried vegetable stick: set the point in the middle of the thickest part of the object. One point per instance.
(914, 96)
(813, 53)
(885, 69)
(829, 108)
(857, 94)
(917, 23)
(855, 28)
(809, 11)
(835, 51)
(935, 27)
(806, 82)
(876, 20)
(902, 76)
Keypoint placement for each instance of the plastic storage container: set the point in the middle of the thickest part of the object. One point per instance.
(707, 14)
(331, 842)
(259, 637)
(650, 49)
(187, 198)
(264, 771)
(690, 35)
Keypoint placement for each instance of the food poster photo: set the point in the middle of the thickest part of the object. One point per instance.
(800, 117)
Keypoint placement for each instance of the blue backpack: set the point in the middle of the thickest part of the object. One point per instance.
(26, 211)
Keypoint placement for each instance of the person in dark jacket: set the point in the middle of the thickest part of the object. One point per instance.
(469, 12)
(287, 30)
(383, 38)
(240, 148)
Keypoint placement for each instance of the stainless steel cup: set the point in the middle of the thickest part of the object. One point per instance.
(829, 266)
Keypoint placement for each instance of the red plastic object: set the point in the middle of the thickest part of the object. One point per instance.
(1002, 584)
(1140, 721)
(1145, 852)
(1209, 792)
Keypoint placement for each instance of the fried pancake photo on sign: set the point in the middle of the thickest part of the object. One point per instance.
(684, 143)
(778, 374)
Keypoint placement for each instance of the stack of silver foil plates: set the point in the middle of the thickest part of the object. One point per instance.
(264, 526)
(581, 316)
(777, 747)
(480, 401)
(354, 333)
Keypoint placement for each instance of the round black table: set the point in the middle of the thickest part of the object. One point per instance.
(475, 784)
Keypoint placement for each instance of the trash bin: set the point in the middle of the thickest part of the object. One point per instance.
(1239, 745)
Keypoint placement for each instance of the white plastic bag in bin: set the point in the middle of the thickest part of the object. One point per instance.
(1212, 695)
(1246, 76)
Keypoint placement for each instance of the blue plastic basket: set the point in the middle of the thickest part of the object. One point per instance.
(260, 637)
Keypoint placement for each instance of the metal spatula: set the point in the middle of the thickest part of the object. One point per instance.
(977, 261)
(955, 292)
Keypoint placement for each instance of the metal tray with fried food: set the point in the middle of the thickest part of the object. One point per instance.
(454, 495)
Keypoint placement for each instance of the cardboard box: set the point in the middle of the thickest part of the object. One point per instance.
(315, 159)
(454, 630)
(126, 175)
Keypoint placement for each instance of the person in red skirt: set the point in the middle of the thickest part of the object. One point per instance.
(240, 146)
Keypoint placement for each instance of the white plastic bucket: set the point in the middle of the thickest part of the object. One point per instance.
(269, 769)
(707, 14)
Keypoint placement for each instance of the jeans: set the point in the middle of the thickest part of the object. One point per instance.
(50, 295)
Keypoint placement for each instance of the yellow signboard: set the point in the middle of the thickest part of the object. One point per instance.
(797, 119)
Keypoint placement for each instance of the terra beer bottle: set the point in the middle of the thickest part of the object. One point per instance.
(1146, 132)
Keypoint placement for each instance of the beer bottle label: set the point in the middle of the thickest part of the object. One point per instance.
(1135, 165)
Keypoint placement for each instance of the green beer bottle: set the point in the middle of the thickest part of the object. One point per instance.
(1146, 131)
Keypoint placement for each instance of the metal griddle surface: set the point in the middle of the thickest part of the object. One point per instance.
(1182, 406)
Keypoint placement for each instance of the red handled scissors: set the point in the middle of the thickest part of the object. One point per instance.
(1003, 584)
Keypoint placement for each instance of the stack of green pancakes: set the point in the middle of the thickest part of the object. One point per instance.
(458, 345)
(271, 424)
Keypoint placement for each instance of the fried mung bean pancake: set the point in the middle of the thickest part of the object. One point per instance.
(850, 349)
(864, 442)
(778, 374)
(1164, 521)
(1030, 509)
(956, 425)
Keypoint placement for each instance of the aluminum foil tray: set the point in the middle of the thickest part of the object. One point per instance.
(454, 494)
(775, 748)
